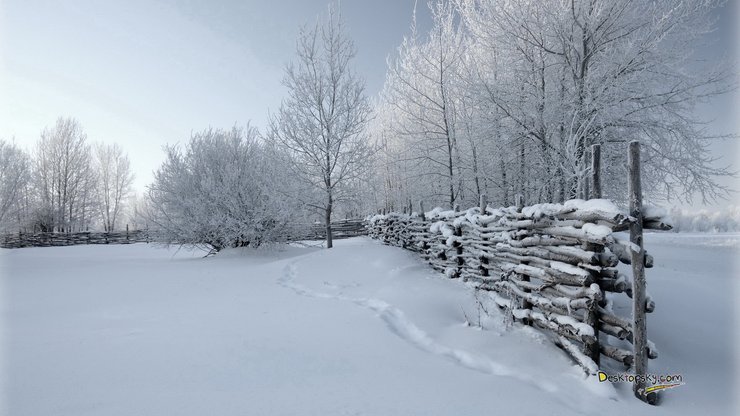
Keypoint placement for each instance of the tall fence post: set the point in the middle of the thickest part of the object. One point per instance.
(593, 349)
(596, 171)
(639, 325)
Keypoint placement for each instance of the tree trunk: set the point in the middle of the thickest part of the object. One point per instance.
(327, 219)
(504, 183)
(596, 171)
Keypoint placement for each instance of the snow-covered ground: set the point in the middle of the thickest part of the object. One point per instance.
(362, 329)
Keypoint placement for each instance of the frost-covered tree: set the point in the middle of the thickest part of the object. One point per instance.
(321, 124)
(221, 190)
(583, 72)
(507, 97)
(15, 179)
(114, 182)
(422, 88)
(64, 178)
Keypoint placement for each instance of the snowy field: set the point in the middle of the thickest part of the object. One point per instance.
(362, 329)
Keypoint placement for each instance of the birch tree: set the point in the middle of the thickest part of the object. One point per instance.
(321, 124)
(114, 182)
(421, 86)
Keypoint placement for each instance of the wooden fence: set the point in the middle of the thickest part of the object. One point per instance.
(317, 231)
(20, 240)
(548, 265)
(298, 231)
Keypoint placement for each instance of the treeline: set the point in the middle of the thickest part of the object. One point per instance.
(64, 184)
(506, 97)
(497, 98)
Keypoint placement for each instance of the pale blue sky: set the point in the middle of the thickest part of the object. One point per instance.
(144, 73)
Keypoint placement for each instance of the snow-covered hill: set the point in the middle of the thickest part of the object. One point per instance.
(362, 329)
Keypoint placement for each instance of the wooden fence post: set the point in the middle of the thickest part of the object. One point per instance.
(596, 171)
(592, 348)
(483, 258)
(423, 235)
(519, 201)
(459, 261)
(639, 325)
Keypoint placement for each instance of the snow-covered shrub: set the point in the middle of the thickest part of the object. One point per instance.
(223, 189)
(704, 220)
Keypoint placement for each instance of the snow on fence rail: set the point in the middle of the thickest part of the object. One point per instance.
(547, 265)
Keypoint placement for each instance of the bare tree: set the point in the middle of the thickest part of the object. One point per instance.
(322, 122)
(506, 97)
(114, 182)
(585, 72)
(15, 176)
(64, 178)
(421, 88)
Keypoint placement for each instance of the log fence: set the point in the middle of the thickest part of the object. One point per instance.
(345, 228)
(46, 239)
(551, 266)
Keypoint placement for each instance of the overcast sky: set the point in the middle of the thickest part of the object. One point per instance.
(144, 73)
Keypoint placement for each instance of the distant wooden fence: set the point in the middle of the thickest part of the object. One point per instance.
(546, 265)
(298, 231)
(20, 240)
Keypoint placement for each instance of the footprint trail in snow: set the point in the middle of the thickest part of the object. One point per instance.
(405, 329)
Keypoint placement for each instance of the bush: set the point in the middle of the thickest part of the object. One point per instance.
(222, 190)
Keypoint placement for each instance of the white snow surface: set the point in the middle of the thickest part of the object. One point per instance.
(362, 329)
